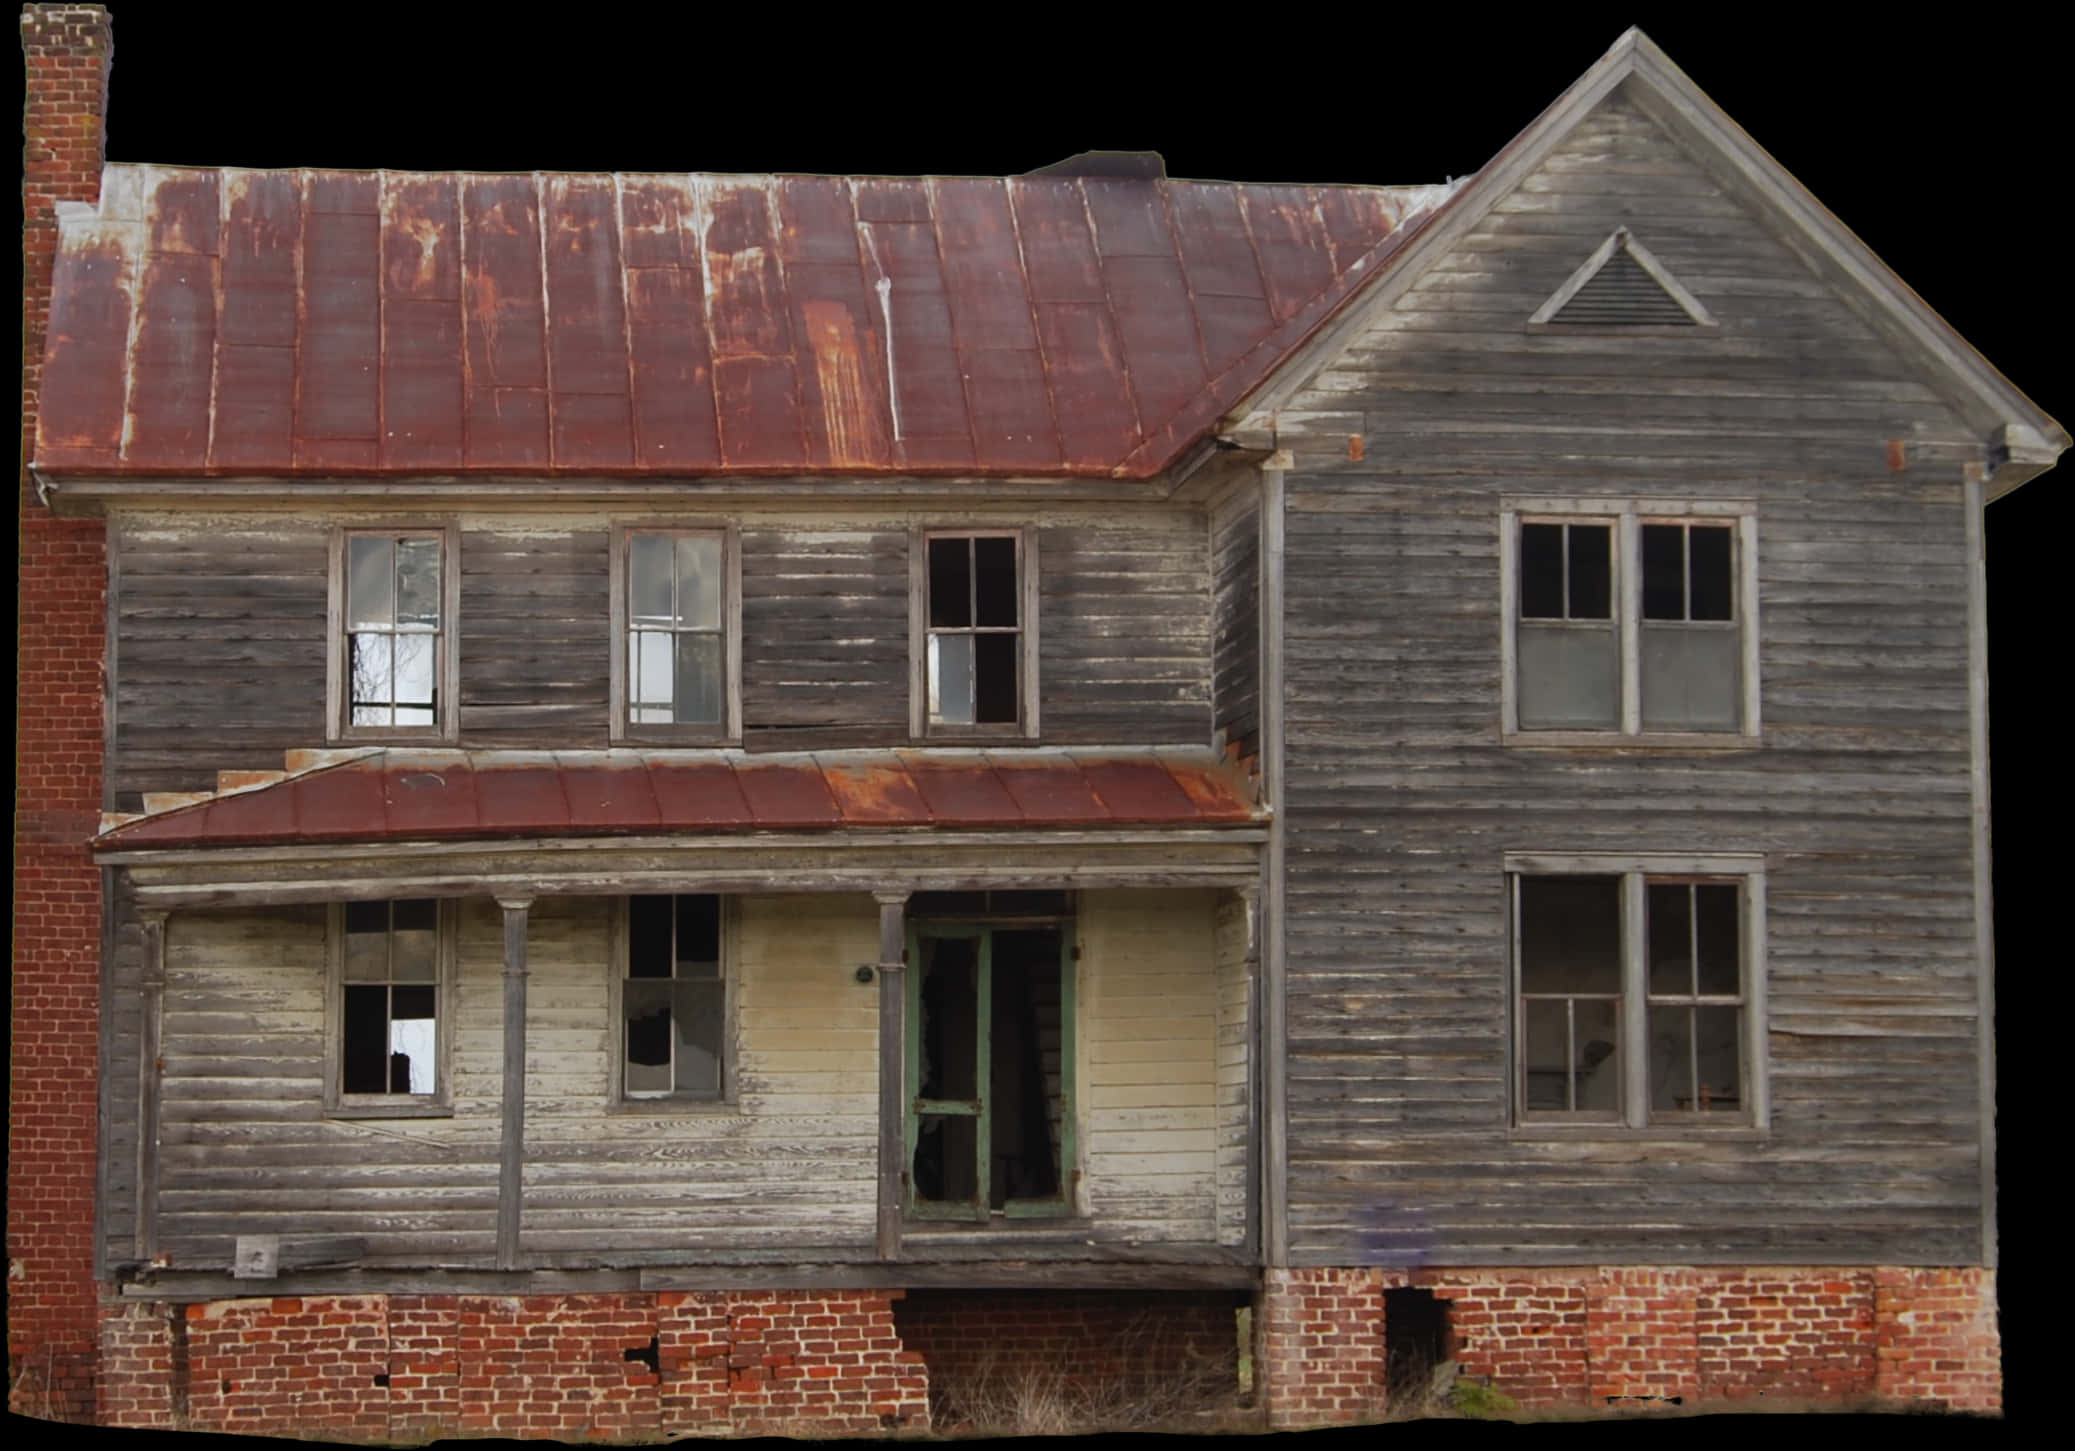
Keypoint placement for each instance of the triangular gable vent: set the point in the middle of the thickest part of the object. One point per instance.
(1622, 285)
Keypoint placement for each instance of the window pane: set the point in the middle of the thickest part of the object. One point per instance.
(1570, 934)
(653, 680)
(367, 948)
(417, 582)
(1714, 587)
(1541, 571)
(1569, 677)
(950, 580)
(364, 1041)
(698, 680)
(697, 1009)
(994, 678)
(414, 953)
(947, 1163)
(698, 936)
(1671, 1059)
(645, 1004)
(1596, 1034)
(1664, 572)
(951, 679)
(649, 570)
(648, 936)
(413, 1031)
(372, 677)
(1592, 571)
(698, 581)
(950, 1018)
(1720, 1059)
(994, 568)
(1547, 1054)
(370, 583)
(1668, 911)
(1721, 957)
(414, 687)
(1692, 678)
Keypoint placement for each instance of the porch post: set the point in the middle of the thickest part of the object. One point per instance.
(511, 1161)
(893, 1090)
(150, 1076)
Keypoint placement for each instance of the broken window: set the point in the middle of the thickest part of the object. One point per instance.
(975, 633)
(394, 645)
(1632, 994)
(673, 660)
(392, 974)
(990, 1055)
(1627, 623)
(673, 1007)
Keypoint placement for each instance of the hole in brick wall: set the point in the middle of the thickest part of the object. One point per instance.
(650, 1355)
(1416, 1343)
(382, 1378)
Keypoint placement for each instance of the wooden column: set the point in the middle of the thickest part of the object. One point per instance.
(1275, 1097)
(151, 1070)
(511, 1163)
(893, 1088)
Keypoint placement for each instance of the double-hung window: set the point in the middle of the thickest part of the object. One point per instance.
(673, 1000)
(1638, 990)
(392, 670)
(674, 658)
(1629, 620)
(975, 635)
(391, 985)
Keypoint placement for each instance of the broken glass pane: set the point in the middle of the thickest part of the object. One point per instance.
(364, 1041)
(413, 1029)
(370, 583)
(1692, 678)
(417, 582)
(697, 688)
(698, 937)
(645, 1003)
(1569, 677)
(648, 579)
(698, 581)
(950, 1018)
(648, 936)
(1570, 934)
(951, 679)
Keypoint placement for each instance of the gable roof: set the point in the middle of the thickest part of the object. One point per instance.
(2019, 440)
(255, 323)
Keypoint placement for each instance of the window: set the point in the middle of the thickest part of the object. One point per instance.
(674, 610)
(1629, 619)
(1637, 990)
(990, 1007)
(392, 667)
(673, 1001)
(392, 985)
(975, 647)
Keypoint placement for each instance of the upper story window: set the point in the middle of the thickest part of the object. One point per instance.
(675, 609)
(975, 627)
(1629, 620)
(391, 984)
(392, 667)
(1637, 986)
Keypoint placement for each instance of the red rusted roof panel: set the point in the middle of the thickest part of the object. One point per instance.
(419, 794)
(439, 323)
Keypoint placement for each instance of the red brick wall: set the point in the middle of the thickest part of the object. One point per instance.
(417, 1367)
(52, 1295)
(1645, 1336)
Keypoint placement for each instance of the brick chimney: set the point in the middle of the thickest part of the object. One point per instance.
(53, 1296)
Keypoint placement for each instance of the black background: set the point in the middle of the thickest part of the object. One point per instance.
(1942, 146)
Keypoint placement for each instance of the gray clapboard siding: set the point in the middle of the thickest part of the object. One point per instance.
(220, 648)
(1235, 553)
(824, 636)
(1401, 801)
(534, 638)
(1124, 631)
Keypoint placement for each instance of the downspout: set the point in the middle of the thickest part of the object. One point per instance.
(1275, 1211)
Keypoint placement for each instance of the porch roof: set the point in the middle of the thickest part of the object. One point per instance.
(399, 795)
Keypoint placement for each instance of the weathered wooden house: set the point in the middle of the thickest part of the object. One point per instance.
(724, 795)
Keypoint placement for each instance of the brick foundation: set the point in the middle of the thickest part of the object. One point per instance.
(1636, 1337)
(390, 1368)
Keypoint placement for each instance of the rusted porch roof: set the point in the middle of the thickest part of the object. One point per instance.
(403, 795)
(267, 323)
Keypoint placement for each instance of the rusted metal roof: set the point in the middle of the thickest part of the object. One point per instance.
(223, 322)
(408, 795)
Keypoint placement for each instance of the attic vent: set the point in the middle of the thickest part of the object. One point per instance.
(1621, 285)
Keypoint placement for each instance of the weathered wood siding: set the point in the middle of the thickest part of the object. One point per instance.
(535, 637)
(824, 636)
(219, 648)
(1124, 637)
(1235, 561)
(1401, 800)
(1148, 1006)
(1232, 929)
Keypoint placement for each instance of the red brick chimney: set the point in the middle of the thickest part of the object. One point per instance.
(52, 1294)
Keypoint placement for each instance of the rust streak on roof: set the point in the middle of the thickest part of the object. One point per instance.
(264, 323)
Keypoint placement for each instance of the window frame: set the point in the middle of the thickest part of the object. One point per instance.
(617, 1099)
(440, 1102)
(338, 702)
(1025, 726)
(1633, 1117)
(622, 726)
(1627, 516)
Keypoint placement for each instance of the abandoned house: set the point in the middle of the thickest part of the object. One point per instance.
(701, 803)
